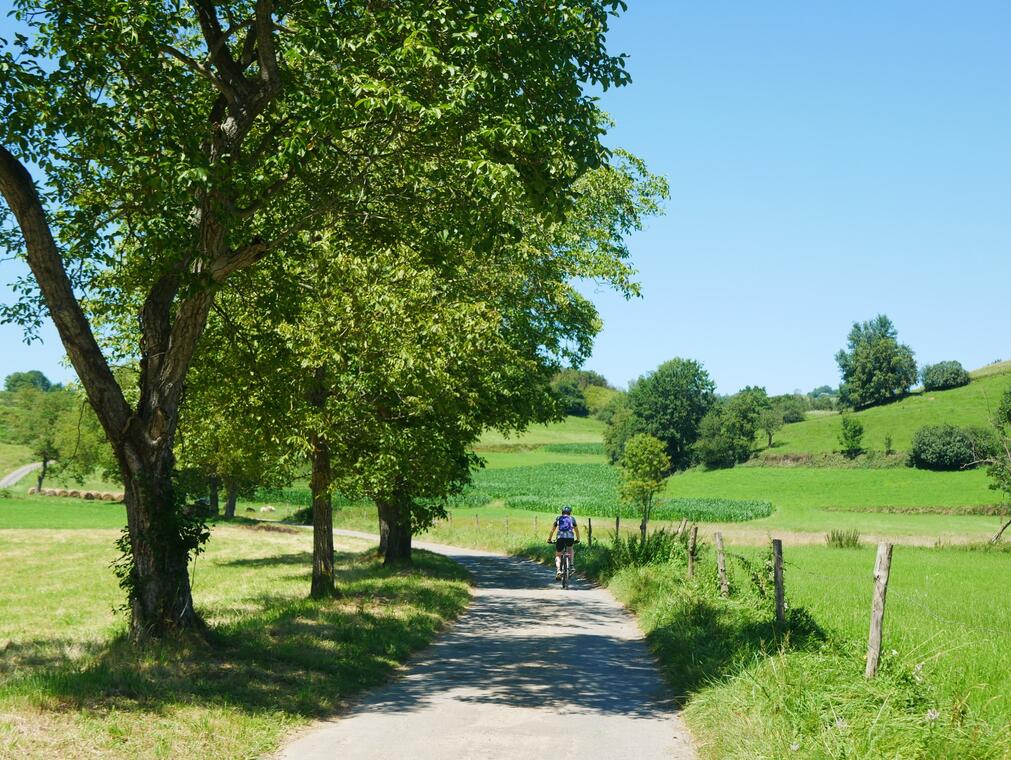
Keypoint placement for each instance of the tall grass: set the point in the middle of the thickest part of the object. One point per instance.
(843, 539)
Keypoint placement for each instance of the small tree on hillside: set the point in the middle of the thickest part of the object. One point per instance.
(36, 420)
(851, 435)
(770, 421)
(644, 466)
(876, 368)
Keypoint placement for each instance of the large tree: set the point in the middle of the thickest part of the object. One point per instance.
(669, 403)
(177, 145)
(875, 367)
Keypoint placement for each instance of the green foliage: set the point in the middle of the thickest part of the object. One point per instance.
(623, 425)
(598, 399)
(943, 375)
(843, 539)
(851, 434)
(727, 431)
(615, 400)
(669, 403)
(644, 467)
(876, 368)
(569, 394)
(947, 447)
(658, 547)
(999, 461)
(30, 379)
(771, 421)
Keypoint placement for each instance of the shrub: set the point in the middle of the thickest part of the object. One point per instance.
(937, 377)
(851, 434)
(657, 548)
(946, 447)
(623, 425)
(843, 539)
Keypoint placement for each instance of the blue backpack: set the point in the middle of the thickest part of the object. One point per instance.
(566, 523)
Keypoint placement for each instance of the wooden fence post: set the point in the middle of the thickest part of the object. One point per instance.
(691, 550)
(589, 532)
(477, 521)
(777, 574)
(617, 525)
(882, 566)
(536, 532)
(721, 565)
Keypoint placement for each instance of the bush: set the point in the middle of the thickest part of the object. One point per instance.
(851, 434)
(946, 447)
(938, 377)
(843, 539)
(659, 548)
(623, 425)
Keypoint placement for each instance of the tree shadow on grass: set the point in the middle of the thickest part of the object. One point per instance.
(283, 654)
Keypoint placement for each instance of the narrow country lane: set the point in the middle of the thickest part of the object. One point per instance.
(13, 477)
(529, 671)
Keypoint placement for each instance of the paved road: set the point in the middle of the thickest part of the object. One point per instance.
(12, 478)
(529, 671)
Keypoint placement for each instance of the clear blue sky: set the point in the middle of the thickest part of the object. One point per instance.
(827, 161)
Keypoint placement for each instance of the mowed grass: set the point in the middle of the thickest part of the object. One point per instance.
(44, 512)
(971, 404)
(71, 687)
(944, 689)
(569, 430)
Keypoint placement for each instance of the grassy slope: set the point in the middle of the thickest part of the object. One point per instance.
(569, 430)
(70, 688)
(968, 405)
(12, 456)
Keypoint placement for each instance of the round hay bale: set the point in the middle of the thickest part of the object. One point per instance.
(89, 495)
(63, 492)
(119, 497)
(75, 494)
(49, 492)
(32, 491)
(108, 497)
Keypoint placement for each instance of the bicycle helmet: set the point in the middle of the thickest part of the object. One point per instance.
(566, 510)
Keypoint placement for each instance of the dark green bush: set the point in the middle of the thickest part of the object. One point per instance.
(945, 447)
(937, 377)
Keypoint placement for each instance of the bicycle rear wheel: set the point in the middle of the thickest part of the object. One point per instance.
(565, 570)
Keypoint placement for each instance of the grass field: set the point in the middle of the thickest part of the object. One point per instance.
(13, 456)
(944, 689)
(71, 687)
(968, 405)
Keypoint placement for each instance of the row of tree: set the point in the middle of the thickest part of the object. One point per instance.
(335, 236)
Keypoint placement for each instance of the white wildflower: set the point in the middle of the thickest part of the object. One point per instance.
(933, 715)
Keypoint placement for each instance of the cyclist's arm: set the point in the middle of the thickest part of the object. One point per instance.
(551, 535)
(576, 527)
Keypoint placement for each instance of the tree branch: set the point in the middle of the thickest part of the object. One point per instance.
(18, 188)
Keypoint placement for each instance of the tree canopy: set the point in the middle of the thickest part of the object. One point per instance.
(179, 145)
(669, 403)
(875, 367)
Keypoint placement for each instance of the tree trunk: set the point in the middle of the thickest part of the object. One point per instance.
(322, 522)
(42, 473)
(160, 599)
(770, 440)
(215, 487)
(1000, 532)
(231, 497)
(394, 530)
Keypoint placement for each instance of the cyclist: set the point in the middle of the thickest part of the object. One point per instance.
(568, 534)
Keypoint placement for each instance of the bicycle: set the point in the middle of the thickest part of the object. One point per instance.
(566, 564)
